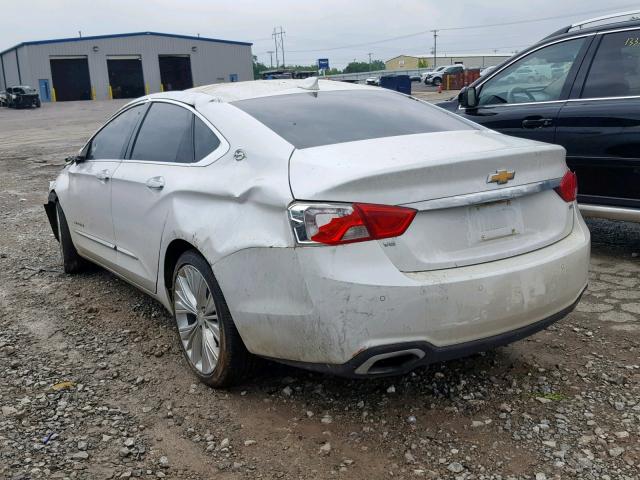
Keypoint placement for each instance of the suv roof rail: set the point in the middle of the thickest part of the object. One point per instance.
(605, 20)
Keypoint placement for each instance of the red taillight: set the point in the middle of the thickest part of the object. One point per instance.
(568, 188)
(336, 224)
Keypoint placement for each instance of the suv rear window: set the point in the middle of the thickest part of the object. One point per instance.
(324, 118)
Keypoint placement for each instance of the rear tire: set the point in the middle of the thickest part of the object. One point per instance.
(71, 261)
(209, 339)
(437, 82)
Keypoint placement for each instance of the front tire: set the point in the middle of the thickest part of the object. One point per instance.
(71, 261)
(210, 341)
(437, 82)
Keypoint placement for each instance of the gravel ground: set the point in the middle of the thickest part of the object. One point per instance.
(93, 384)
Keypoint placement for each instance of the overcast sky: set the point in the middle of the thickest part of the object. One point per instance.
(314, 29)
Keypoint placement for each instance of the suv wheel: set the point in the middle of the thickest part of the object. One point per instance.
(209, 338)
(437, 82)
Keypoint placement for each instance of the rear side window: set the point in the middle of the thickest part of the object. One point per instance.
(204, 140)
(110, 142)
(615, 70)
(324, 118)
(166, 135)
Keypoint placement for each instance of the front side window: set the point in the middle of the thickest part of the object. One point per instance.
(110, 142)
(166, 135)
(538, 77)
(615, 70)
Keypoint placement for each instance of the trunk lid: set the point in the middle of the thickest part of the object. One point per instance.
(410, 170)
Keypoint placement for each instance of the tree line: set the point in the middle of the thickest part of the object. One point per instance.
(352, 67)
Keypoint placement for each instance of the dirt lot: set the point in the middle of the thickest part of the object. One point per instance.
(562, 404)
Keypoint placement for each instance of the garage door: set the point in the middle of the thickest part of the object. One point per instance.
(175, 72)
(70, 78)
(125, 76)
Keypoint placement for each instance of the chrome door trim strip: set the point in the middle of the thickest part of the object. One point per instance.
(493, 105)
(104, 243)
(125, 252)
(602, 98)
(487, 196)
(611, 213)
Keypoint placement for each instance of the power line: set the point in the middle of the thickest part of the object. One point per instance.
(467, 27)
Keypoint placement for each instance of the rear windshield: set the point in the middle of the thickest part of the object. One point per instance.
(323, 118)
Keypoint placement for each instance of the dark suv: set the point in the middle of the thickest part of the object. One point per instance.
(579, 88)
(22, 96)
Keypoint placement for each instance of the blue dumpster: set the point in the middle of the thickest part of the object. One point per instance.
(399, 83)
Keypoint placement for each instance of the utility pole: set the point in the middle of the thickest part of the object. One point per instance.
(270, 52)
(369, 61)
(282, 32)
(275, 41)
(279, 34)
(435, 48)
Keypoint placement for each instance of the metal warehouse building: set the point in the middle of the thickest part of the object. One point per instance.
(125, 65)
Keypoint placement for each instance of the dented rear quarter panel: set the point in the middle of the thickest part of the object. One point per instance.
(232, 205)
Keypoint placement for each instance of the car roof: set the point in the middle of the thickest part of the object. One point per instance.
(576, 30)
(235, 91)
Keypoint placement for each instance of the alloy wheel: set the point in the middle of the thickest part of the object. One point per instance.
(197, 319)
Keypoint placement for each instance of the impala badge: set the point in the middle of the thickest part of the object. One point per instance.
(501, 177)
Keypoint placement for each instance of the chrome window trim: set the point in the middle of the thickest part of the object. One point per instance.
(486, 196)
(628, 97)
(214, 156)
(546, 102)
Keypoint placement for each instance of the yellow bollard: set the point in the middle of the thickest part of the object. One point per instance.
(146, 89)
(53, 94)
(93, 93)
(161, 87)
(110, 93)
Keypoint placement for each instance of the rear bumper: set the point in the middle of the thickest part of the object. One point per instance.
(336, 306)
(401, 358)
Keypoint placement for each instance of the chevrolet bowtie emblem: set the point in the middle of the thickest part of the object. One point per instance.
(501, 177)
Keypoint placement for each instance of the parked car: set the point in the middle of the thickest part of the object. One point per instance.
(3, 98)
(436, 77)
(372, 81)
(414, 77)
(308, 228)
(22, 96)
(587, 99)
(425, 76)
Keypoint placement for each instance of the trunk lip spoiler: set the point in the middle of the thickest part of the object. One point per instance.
(487, 196)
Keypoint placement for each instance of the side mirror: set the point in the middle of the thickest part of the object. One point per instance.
(75, 159)
(468, 97)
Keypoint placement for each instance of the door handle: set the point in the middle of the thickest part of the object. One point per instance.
(155, 183)
(537, 122)
(103, 175)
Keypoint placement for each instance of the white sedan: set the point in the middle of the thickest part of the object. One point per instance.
(336, 227)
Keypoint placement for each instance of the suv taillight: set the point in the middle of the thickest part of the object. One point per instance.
(568, 188)
(337, 224)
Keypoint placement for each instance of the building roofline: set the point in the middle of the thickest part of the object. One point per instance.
(120, 35)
